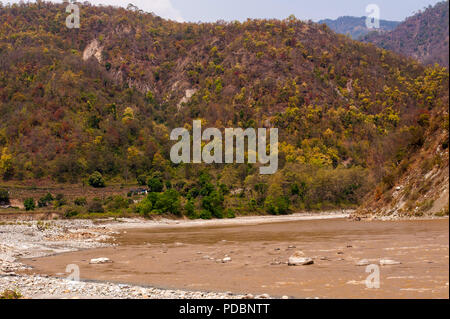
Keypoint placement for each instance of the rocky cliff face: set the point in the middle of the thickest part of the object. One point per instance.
(422, 187)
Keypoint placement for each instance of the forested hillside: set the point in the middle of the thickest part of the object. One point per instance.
(423, 36)
(104, 99)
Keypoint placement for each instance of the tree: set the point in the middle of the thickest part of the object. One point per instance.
(145, 207)
(168, 203)
(214, 203)
(142, 180)
(155, 185)
(189, 209)
(6, 168)
(96, 180)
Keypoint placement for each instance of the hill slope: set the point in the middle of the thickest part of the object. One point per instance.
(356, 27)
(424, 36)
(104, 98)
(419, 184)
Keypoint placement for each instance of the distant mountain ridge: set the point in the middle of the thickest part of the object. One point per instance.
(356, 27)
(424, 36)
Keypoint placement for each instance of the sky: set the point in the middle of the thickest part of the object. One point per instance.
(228, 10)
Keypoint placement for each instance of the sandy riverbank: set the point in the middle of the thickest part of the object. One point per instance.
(27, 240)
(166, 258)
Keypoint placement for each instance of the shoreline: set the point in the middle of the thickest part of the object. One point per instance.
(158, 223)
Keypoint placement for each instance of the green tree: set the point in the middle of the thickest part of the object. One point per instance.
(214, 203)
(168, 203)
(145, 207)
(189, 209)
(96, 180)
(155, 185)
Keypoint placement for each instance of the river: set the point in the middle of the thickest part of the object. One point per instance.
(191, 258)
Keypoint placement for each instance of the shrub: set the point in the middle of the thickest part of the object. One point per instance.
(117, 203)
(205, 214)
(145, 207)
(29, 204)
(45, 200)
(231, 213)
(277, 206)
(155, 185)
(96, 180)
(193, 193)
(60, 201)
(71, 212)
(443, 212)
(10, 294)
(4, 197)
(80, 201)
(96, 206)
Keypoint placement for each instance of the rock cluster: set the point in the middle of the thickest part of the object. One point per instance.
(41, 287)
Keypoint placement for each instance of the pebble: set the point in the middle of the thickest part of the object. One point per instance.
(389, 262)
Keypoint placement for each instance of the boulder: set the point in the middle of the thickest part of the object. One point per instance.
(226, 260)
(298, 259)
(102, 260)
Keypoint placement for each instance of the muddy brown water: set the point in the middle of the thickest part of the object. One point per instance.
(187, 258)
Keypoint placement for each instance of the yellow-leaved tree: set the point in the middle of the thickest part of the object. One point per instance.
(6, 167)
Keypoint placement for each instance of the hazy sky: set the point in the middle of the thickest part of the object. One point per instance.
(212, 10)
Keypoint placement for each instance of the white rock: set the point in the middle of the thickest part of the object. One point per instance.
(7, 258)
(298, 259)
(226, 259)
(363, 262)
(388, 262)
(102, 260)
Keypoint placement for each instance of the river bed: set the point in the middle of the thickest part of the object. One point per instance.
(252, 258)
